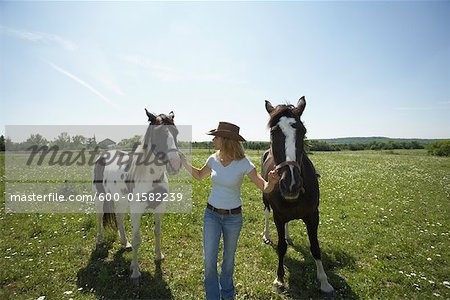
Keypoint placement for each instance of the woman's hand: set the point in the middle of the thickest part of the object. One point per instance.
(273, 177)
(264, 186)
(198, 174)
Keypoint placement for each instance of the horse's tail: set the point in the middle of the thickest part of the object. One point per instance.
(109, 218)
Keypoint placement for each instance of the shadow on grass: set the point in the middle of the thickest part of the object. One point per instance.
(111, 279)
(302, 280)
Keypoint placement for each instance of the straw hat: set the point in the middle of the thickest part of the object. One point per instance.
(227, 130)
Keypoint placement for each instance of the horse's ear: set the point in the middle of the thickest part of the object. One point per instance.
(269, 106)
(301, 105)
(151, 117)
(171, 115)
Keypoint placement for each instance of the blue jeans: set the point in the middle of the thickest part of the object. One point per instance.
(214, 225)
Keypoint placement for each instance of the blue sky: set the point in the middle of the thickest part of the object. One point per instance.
(366, 68)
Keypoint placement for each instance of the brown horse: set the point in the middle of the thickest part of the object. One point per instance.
(297, 194)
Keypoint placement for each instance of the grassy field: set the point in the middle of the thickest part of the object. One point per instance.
(384, 234)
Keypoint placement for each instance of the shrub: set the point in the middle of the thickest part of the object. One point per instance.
(440, 148)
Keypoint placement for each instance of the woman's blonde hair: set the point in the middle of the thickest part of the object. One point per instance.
(231, 148)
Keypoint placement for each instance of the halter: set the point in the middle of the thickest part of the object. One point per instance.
(288, 163)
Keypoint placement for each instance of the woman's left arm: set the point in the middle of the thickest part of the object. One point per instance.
(264, 186)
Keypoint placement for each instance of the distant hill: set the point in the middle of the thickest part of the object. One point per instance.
(366, 140)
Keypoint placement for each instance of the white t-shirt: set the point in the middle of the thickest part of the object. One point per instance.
(227, 181)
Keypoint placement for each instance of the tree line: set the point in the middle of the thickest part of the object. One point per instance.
(64, 141)
(374, 145)
(439, 148)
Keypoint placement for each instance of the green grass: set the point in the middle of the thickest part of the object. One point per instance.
(384, 234)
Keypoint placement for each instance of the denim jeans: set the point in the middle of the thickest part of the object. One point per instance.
(214, 226)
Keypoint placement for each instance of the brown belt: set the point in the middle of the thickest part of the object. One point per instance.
(220, 211)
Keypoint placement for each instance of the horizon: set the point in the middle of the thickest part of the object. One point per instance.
(105, 137)
(367, 69)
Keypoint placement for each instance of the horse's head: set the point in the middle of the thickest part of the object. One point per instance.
(287, 134)
(161, 137)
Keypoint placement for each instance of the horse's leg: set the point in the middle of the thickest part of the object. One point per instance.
(312, 224)
(281, 250)
(135, 242)
(99, 168)
(99, 228)
(121, 209)
(157, 219)
(121, 229)
(287, 236)
(266, 238)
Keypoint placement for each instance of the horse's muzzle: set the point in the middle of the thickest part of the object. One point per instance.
(290, 196)
(291, 188)
(173, 164)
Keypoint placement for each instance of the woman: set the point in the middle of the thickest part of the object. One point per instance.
(223, 213)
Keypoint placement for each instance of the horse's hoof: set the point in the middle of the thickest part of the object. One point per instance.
(278, 286)
(135, 276)
(279, 289)
(135, 281)
(159, 257)
(326, 288)
(289, 242)
(127, 246)
(328, 295)
(267, 241)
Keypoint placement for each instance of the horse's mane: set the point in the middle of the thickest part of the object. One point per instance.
(165, 120)
(281, 110)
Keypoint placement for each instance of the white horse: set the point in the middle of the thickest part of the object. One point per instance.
(127, 179)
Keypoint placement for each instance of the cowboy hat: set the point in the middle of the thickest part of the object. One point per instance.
(227, 130)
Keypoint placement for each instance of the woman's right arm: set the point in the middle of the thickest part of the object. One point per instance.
(198, 174)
